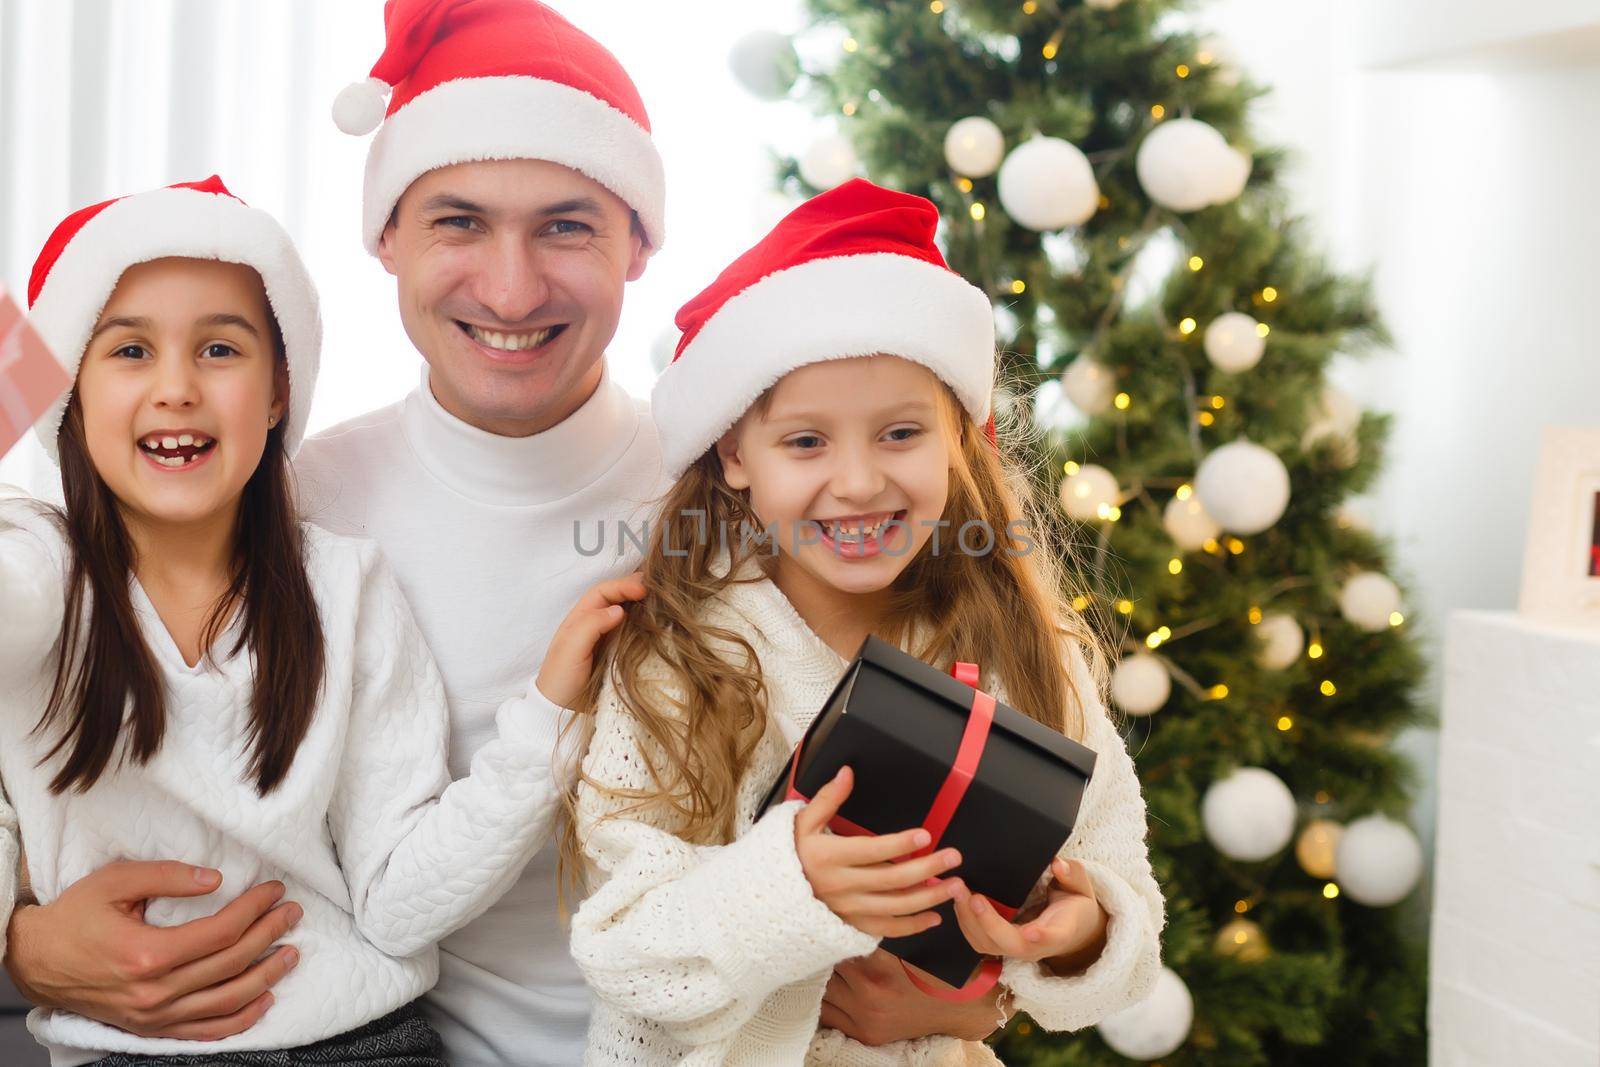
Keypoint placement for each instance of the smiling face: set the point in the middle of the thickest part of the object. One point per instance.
(177, 386)
(511, 274)
(852, 456)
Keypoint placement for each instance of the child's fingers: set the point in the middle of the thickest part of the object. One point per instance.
(825, 804)
(609, 619)
(1008, 939)
(884, 850)
(901, 926)
(1072, 877)
(614, 591)
(975, 935)
(903, 902)
(889, 877)
(1002, 938)
(580, 633)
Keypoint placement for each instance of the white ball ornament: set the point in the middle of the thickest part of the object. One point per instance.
(1187, 523)
(1243, 486)
(1337, 412)
(1047, 183)
(1102, 5)
(1089, 385)
(1336, 418)
(1233, 174)
(1368, 599)
(1051, 410)
(1350, 517)
(1280, 640)
(1183, 164)
(1249, 815)
(1378, 861)
(974, 147)
(1157, 1025)
(829, 162)
(1233, 343)
(1087, 493)
(1140, 685)
(765, 63)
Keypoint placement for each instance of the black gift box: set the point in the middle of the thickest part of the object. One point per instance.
(898, 723)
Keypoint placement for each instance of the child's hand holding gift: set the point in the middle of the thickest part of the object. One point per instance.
(1067, 935)
(872, 883)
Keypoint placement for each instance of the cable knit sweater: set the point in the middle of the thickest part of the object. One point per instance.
(385, 854)
(720, 954)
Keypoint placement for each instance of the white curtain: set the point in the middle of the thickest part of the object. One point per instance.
(99, 98)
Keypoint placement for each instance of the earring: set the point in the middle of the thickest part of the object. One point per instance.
(272, 420)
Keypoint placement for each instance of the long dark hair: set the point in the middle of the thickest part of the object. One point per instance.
(107, 692)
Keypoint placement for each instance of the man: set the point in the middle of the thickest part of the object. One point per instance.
(513, 191)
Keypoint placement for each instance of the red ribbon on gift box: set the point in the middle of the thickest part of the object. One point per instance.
(962, 771)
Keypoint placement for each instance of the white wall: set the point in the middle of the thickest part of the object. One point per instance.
(1452, 146)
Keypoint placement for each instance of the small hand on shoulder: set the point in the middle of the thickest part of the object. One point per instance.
(570, 658)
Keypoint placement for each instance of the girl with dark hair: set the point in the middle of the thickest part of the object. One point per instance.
(187, 671)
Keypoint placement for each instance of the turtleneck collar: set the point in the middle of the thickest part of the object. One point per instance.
(514, 471)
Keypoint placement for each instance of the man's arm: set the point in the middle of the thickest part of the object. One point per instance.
(872, 1001)
(91, 952)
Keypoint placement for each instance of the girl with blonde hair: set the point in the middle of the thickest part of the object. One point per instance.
(827, 421)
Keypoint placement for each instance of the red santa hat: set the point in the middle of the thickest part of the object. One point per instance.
(498, 79)
(852, 272)
(86, 255)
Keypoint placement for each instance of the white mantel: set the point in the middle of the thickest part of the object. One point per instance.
(1515, 971)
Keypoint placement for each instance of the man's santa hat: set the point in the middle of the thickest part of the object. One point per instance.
(472, 80)
(86, 255)
(852, 272)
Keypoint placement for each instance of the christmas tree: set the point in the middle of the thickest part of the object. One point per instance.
(1094, 165)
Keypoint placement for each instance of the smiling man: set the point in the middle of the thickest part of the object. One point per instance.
(513, 190)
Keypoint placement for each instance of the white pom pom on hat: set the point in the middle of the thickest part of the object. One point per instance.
(359, 107)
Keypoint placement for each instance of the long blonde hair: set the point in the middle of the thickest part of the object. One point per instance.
(696, 690)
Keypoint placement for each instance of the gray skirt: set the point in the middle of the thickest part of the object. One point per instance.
(403, 1038)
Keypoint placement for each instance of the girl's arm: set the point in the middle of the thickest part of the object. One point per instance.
(32, 583)
(423, 855)
(693, 938)
(1109, 843)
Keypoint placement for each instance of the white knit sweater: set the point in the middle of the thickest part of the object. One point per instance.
(720, 954)
(385, 854)
(493, 539)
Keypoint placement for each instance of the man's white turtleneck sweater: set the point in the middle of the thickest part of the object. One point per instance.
(493, 539)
